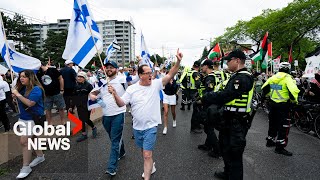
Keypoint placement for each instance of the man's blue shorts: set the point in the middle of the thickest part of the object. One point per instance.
(146, 139)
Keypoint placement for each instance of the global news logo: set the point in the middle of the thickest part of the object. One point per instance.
(48, 137)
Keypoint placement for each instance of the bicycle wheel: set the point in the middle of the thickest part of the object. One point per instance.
(303, 123)
(317, 126)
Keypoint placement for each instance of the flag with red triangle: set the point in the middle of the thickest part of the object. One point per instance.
(215, 53)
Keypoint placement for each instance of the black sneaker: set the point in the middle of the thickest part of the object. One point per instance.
(270, 143)
(283, 152)
(204, 147)
(189, 107)
(182, 108)
(220, 175)
(213, 154)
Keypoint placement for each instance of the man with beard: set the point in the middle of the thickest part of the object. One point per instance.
(113, 115)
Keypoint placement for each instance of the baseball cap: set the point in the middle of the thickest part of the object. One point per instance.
(83, 74)
(237, 53)
(208, 63)
(112, 63)
(68, 62)
(196, 63)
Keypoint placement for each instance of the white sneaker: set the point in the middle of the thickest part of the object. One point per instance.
(153, 169)
(174, 123)
(164, 132)
(37, 160)
(24, 172)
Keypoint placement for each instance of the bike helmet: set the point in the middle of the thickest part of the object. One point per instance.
(285, 67)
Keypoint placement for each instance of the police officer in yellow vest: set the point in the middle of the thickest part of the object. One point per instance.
(189, 83)
(210, 82)
(236, 99)
(282, 90)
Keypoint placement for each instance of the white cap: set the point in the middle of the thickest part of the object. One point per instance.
(120, 68)
(68, 62)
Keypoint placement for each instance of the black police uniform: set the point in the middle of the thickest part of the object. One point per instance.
(232, 136)
(211, 140)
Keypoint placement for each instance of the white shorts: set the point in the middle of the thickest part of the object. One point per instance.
(28, 123)
(169, 99)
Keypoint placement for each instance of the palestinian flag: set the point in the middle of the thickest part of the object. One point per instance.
(263, 49)
(267, 57)
(256, 56)
(215, 53)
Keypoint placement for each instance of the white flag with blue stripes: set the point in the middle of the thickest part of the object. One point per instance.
(17, 60)
(94, 104)
(112, 48)
(145, 53)
(80, 45)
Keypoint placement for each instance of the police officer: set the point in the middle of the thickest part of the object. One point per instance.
(210, 82)
(236, 99)
(190, 81)
(283, 90)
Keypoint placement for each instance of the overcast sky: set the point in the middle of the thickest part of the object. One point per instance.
(169, 23)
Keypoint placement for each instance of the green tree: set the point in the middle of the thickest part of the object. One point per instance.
(54, 46)
(205, 53)
(18, 30)
(96, 59)
(157, 57)
(296, 25)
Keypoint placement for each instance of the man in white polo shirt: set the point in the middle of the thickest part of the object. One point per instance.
(145, 108)
(113, 115)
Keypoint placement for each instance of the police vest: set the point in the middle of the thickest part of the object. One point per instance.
(191, 84)
(279, 91)
(224, 77)
(181, 79)
(242, 104)
(220, 75)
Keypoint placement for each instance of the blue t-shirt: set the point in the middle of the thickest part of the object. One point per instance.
(36, 96)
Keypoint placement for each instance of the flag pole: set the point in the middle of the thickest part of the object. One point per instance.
(104, 70)
(7, 49)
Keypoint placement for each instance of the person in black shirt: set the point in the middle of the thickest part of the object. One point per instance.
(81, 92)
(69, 76)
(170, 99)
(53, 85)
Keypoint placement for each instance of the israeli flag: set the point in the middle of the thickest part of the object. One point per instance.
(145, 53)
(80, 45)
(94, 104)
(112, 48)
(17, 60)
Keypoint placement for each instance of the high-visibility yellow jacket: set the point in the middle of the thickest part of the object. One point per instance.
(281, 87)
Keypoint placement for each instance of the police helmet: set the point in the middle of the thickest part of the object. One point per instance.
(285, 67)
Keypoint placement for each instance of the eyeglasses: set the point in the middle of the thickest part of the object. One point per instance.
(146, 73)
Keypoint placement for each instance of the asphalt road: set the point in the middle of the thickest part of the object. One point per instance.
(177, 157)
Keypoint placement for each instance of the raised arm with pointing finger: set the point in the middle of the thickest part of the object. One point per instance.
(174, 70)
